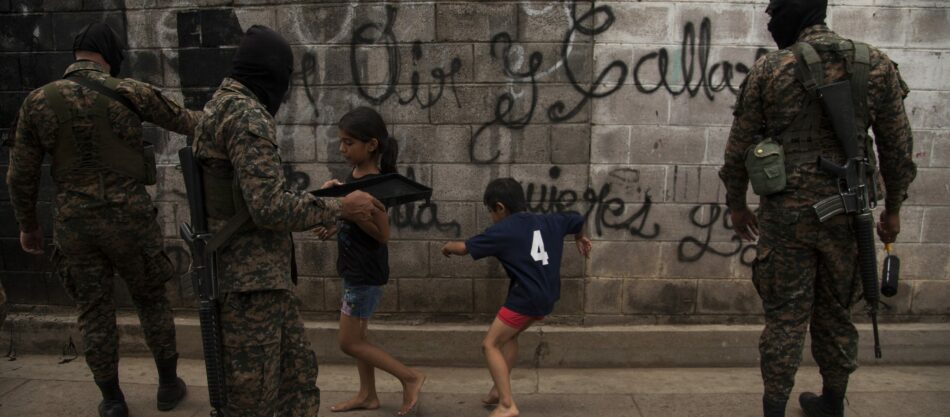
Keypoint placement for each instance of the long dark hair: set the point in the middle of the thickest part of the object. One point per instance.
(365, 124)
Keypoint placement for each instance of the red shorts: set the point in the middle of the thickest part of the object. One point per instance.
(515, 320)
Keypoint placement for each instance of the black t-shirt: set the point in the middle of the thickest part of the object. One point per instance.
(529, 247)
(361, 259)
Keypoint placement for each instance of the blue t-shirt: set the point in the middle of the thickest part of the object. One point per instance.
(529, 247)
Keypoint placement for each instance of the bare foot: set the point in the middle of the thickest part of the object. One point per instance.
(492, 397)
(356, 403)
(502, 411)
(410, 394)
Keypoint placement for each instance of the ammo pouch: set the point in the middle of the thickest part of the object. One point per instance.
(77, 150)
(765, 163)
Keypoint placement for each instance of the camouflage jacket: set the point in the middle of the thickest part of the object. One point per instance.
(771, 97)
(77, 194)
(239, 137)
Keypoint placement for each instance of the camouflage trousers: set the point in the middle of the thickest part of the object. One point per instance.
(3, 305)
(806, 274)
(269, 365)
(90, 250)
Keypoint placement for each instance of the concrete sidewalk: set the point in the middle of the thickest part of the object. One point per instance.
(38, 386)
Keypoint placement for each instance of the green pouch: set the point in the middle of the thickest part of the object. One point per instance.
(765, 163)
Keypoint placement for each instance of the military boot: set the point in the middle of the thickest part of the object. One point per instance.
(113, 402)
(171, 389)
(773, 408)
(829, 404)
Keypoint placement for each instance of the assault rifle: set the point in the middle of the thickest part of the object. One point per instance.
(854, 195)
(203, 278)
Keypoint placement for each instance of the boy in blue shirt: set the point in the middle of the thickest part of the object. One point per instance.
(529, 247)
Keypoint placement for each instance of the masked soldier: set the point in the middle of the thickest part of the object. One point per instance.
(104, 222)
(269, 366)
(806, 271)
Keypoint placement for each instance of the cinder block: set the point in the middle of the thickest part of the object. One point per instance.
(625, 259)
(877, 26)
(729, 24)
(653, 296)
(436, 220)
(936, 225)
(546, 21)
(929, 27)
(556, 102)
(703, 111)
(155, 28)
(628, 106)
(10, 73)
(311, 292)
(667, 145)
(421, 59)
(572, 263)
(443, 295)
(610, 144)
(528, 145)
(716, 140)
(688, 259)
(489, 64)
(28, 32)
(930, 297)
(630, 183)
(570, 144)
(603, 296)
(432, 143)
(474, 21)
(298, 143)
(478, 104)
(695, 184)
(940, 154)
(636, 23)
(316, 258)
(572, 298)
(924, 261)
(728, 297)
(930, 187)
(922, 70)
(38, 69)
(463, 182)
(170, 185)
(408, 258)
(924, 109)
(455, 266)
(542, 182)
(338, 23)
(45, 6)
(489, 294)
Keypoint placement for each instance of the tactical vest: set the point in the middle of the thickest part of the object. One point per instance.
(97, 150)
(810, 135)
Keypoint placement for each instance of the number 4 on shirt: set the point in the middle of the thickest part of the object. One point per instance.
(537, 249)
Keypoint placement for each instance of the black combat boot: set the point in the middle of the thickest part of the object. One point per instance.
(171, 389)
(829, 404)
(113, 402)
(773, 408)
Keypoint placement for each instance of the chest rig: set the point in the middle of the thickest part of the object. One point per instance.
(810, 135)
(85, 142)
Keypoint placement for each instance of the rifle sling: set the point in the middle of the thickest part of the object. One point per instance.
(106, 91)
(232, 226)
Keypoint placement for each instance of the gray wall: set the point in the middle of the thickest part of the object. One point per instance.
(477, 90)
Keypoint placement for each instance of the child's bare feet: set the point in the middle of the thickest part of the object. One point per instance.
(357, 403)
(492, 397)
(410, 394)
(502, 411)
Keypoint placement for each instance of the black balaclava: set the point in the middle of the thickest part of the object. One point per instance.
(791, 17)
(100, 38)
(263, 63)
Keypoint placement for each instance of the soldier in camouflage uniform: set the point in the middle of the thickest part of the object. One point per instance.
(268, 362)
(806, 271)
(104, 221)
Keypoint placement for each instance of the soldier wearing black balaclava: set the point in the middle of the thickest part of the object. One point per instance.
(805, 270)
(90, 123)
(270, 367)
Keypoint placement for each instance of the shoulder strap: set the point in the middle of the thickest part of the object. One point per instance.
(809, 70)
(859, 81)
(107, 90)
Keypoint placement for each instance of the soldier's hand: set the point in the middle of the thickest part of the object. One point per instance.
(324, 233)
(359, 207)
(331, 183)
(889, 226)
(32, 242)
(745, 223)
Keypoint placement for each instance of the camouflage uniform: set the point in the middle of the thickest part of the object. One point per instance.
(806, 271)
(269, 364)
(104, 222)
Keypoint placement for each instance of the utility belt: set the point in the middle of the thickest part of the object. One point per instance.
(80, 151)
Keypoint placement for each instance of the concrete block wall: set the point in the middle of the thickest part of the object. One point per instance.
(619, 110)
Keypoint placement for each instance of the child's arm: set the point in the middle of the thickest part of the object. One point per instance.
(454, 248)
(377, 227)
